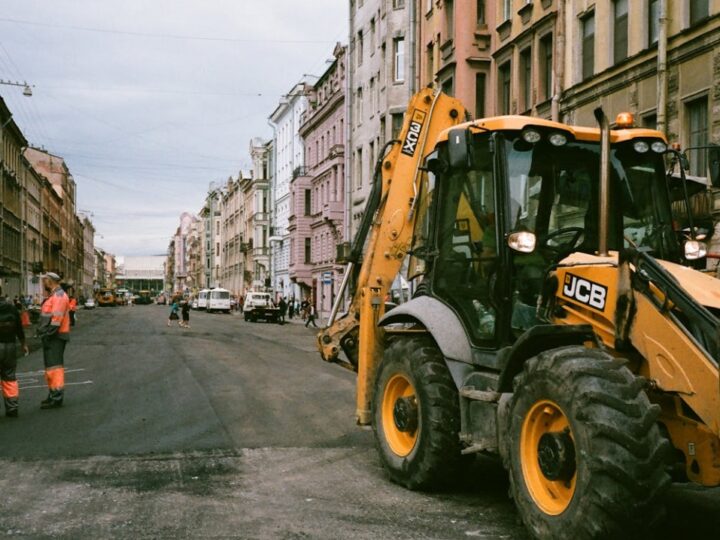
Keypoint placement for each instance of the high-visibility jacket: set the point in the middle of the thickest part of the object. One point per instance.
(55, 315)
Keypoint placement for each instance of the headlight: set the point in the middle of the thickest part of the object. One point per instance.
(558, 139)
(695, 249)
(659, 147)
(641, 147)
(531, 136)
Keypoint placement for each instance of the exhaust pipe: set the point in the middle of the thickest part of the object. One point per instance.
(604, 200)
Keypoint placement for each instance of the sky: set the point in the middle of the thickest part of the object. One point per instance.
(149, 101)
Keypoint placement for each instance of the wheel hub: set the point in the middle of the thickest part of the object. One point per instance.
(556, 456)
(405, 414)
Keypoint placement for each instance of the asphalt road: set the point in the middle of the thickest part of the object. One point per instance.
(228, 429)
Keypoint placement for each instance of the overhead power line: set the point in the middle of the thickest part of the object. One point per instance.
(161, 36)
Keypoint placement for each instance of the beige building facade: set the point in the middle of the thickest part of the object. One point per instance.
(379, 85)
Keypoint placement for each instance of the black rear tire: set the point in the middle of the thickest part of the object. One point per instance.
(435, 458)
(619, 451)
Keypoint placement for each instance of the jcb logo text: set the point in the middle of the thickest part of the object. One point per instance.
(413, 135)
(584, 291)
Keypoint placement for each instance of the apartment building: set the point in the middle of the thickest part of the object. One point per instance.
(318, 191)
(211, 240)
(454, 51)
(231, 205)
(11, 142)
(256, 216)
(380, 81)
(289, 158)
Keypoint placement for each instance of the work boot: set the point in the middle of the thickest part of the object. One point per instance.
(53, 401)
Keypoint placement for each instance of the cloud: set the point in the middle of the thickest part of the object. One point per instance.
(149, 121)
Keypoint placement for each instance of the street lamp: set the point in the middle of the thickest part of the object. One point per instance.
(27, 88)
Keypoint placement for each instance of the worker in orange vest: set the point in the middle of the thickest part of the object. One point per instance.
(54, 330)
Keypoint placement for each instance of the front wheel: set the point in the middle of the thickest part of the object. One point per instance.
(584, 450)
(416, 415)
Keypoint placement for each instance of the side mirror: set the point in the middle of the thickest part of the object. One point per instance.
(522, 241)
(694, 250)
(714, 165)
(459, 148)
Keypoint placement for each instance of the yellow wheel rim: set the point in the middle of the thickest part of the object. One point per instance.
(550, 479)
(399, 398)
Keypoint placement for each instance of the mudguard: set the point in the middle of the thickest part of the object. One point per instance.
(441, 322)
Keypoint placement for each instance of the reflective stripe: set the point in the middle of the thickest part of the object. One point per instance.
(58, 313)
(56, 323)
(10, 389)
(55, 378)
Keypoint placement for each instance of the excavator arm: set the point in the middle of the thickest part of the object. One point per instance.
(383, 240)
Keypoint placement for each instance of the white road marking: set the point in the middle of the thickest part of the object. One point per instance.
(45, 386)
(42, 371)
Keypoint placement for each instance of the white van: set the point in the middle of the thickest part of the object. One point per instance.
(202, 299)
(218, 300)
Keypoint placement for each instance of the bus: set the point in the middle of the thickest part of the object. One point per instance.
(203, 299)
(105, 297)
(218, 300)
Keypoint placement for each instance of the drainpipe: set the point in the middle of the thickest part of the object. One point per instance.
(559, 71)
(662, 68)
(412, 38)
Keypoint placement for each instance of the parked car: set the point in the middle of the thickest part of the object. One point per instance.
(218, 300)
(161, 300)
(89, 303)
(194, 303)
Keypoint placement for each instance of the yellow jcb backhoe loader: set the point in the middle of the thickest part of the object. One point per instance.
(554, 323)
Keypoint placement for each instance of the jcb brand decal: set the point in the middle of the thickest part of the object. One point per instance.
(413, 135)
(584, 291)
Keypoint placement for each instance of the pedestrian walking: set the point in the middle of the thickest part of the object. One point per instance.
(310, 316)
(282, 305)
(304, 309)
(185, 323)
(72, 303)
(54, 331)
(174, 312)
(291, 308)
(11, 328)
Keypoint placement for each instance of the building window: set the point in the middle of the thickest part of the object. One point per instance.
(480, 81)
(372, 35)
(649, 121)
(308, 202)
(480, 12)
(697, 134)
(448, 86)
(506, 10)
(359, 105)
(546, 66)
(399, 59)
(398, 4)
(430, 64)
(504, 88)
(359, 45)
(588, 46)
(653, 21)
(449, 19)
(308, 251)
(620, 30)
(359, 169)
(526, 78)
(397, 124)
(698, 11)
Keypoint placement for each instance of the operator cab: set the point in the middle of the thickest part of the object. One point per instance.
(533, 184)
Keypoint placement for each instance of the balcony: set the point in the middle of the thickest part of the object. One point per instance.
(333, 211)
(337, 150)
(261, 251)
(300, 171)
(261, 216)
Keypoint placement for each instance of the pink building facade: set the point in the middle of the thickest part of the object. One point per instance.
(318, 191)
